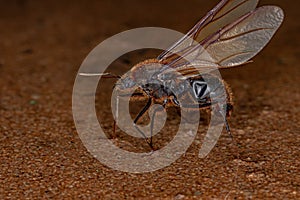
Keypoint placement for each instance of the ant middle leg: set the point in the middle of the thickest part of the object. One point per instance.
(141, 113)
(153, 117)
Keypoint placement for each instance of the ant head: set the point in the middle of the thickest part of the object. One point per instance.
(126, 82)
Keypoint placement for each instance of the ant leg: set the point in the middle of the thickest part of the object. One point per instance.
(228, 108)
(114, 128)
(152, 120)
(224, 115)
(147, 106)
(116, 116)
(228, 128)
(117, 112)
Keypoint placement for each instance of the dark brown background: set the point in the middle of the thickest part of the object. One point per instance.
(42, 46)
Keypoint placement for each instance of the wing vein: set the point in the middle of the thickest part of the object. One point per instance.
(244, 33)
(229, 11)
(233, 55)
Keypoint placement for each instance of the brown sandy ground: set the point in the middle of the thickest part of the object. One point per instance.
(41, 48)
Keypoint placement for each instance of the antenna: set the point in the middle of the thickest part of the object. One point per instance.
(103, 75)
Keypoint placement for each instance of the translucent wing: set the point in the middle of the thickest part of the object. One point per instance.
(241, 40)
(234, 44)
(226, 11)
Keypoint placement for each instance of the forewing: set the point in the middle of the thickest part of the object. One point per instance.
(222, 14)
(233, 45)
(241, 40)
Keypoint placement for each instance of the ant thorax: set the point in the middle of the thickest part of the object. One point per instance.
(147, 77)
